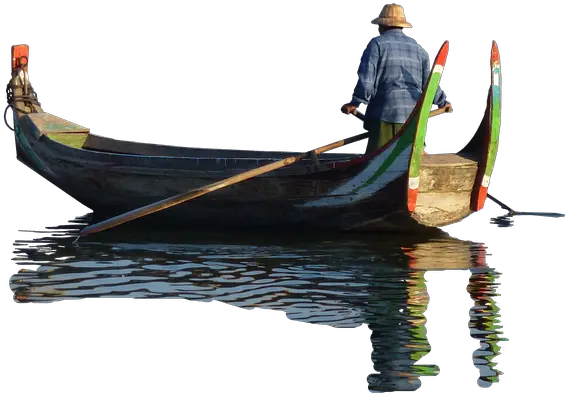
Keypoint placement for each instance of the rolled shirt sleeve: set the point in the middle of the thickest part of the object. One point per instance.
(366, 86)
(440, 98)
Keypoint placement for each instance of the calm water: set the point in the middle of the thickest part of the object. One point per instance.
(339, 281)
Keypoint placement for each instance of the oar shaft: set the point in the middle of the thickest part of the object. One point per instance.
(440, 111)
(499, 203)
(433, 113)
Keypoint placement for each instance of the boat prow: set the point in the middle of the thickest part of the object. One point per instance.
(452, 186)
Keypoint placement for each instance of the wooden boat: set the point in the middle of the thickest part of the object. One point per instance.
(393, 188)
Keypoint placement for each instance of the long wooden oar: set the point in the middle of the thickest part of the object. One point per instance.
(195, 193)
(512, 212)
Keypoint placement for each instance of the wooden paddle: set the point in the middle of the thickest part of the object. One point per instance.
(512, 212)
(195, 193)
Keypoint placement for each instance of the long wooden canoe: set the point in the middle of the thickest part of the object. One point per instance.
(393, 188)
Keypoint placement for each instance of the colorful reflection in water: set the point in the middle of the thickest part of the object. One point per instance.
(418, 303)
(485, 319)
(486, 326)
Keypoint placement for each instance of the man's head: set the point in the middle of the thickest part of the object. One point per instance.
(382, 29)
(392, 16)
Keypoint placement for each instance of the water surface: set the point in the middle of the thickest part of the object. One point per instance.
(342, 281)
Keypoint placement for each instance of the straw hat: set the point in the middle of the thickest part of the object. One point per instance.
(392, 15)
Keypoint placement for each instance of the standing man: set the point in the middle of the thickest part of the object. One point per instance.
(393, 71)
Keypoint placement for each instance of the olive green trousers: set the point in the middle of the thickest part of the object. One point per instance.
(379, 133)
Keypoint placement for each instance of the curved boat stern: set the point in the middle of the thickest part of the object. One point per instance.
(452, 186)
(446, 184)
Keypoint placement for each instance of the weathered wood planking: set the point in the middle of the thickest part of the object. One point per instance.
(59, 129)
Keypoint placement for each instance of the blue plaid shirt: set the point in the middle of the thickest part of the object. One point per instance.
(391, 77)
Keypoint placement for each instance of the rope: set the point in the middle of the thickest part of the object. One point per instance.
(30, 100)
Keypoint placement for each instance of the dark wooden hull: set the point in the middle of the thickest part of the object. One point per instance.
(111, 184)
(225, 212)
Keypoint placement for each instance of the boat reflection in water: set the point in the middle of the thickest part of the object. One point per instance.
(486, 327)
(341, 281)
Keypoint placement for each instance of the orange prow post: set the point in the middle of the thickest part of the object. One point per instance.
(20, 56)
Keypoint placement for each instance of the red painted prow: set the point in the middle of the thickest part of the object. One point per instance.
(442, 55)
(412, 199)
(494, 55)
(480, 257)
(20, 56)
(479, 203)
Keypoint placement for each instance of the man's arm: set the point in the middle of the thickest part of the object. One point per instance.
(440, 98)
(364, 89)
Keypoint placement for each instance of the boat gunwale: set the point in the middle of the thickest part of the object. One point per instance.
(54, 150)
(276, 155)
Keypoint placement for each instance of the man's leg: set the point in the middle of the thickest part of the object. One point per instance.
(373, 137)
(387, 131)
(380, 133)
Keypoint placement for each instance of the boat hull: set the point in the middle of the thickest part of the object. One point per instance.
(110, 184)
(396, 188)
(223, 215)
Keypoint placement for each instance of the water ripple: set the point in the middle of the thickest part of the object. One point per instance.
(338, 281)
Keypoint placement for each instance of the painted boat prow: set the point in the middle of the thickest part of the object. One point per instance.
(453, 186)
(485, 141)
(423, 108)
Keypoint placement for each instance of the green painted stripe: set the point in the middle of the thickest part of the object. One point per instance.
(495, 129)
(400, 145)
(419, 141)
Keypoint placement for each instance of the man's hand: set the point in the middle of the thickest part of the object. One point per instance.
(348, 108)
(448, 107)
